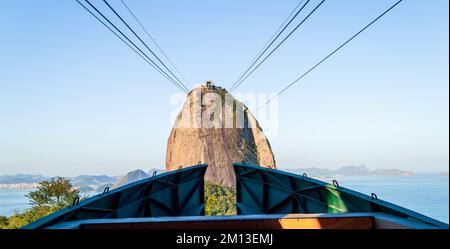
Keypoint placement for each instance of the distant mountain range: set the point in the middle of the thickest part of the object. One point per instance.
(97, 183)
(136, 175)
(91, 183)
(84, 183)
(21, 178)
(350, 171)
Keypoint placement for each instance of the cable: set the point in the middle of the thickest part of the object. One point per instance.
(152, 63)
(153, 40)
(306, 18)
(140, 55)
(279, 28)
(272, 40)
(331, 54)
(151, 51)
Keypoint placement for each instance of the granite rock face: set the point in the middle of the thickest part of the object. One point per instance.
(214, 128)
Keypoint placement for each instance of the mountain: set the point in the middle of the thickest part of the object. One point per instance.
(349, 171)
(84, 183)
(130, 177)
(353, 171)
(444, 174)
(22, 178)
(214, 128)
(84, 180)
(91, 183)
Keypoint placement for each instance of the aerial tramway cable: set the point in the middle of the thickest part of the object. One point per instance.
(275, 36)
(136, 49)
(153, 40)
(145, 44)
(331, 54)
(273, 50)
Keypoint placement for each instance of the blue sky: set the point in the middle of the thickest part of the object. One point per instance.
(75, 100)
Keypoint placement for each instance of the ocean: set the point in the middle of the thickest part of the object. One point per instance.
(426, 194)
(12, 200)
(423, 193)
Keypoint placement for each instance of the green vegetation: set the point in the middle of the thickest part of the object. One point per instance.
(219, 200)
(3, 221)
(50, 196)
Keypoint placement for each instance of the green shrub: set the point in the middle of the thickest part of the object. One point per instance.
(219, 200)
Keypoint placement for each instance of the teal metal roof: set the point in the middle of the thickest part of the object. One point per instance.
(176, 193)
(269, 191)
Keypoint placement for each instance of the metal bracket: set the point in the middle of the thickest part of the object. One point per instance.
(335, 183)
(76, 201)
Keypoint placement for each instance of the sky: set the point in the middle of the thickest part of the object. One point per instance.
(75, 100)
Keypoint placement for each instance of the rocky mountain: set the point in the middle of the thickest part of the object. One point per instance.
(130, 177)
(214, 128)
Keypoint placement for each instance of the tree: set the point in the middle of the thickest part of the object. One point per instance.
(3, 221)
(219, 200)
(53, 194)
(49, 197)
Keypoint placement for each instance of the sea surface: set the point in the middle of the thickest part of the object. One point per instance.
(13, 200)
(426, 194)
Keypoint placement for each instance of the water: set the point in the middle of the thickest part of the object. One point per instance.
(425, 194)
(11, 200)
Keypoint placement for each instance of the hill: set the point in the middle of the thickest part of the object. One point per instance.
(214, 128)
